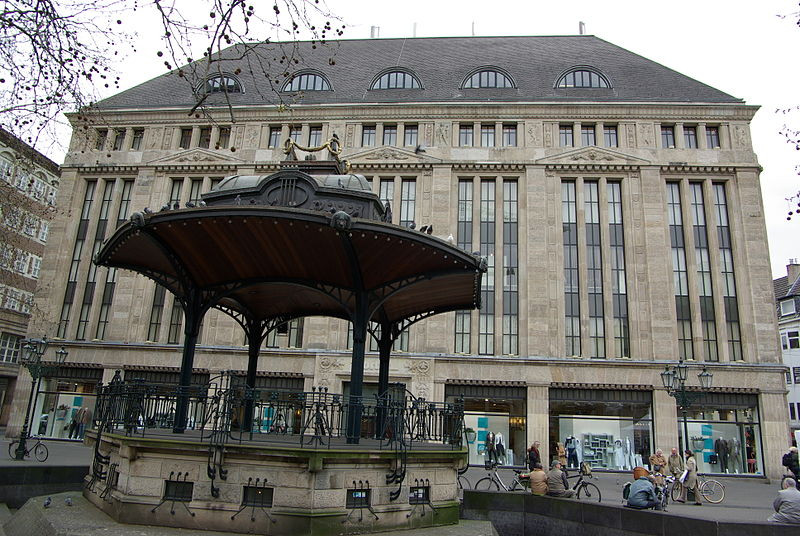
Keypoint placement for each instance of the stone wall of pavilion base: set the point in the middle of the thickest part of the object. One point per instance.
(309, 487)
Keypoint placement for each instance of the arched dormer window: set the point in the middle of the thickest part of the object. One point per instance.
(223, 84)
(307, 82)
(582, 77)
(487, 78)
(396, 80)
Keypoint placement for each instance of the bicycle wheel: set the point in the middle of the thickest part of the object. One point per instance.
(516, 485)
(12, 450)
(677, 490)
(463, 483)
(589, 491)
(487, 484)
(40, 451)
(712, 491)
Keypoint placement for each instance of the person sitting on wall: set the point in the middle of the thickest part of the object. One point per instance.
(538, 480)
(643, 493)
(557, 484)
(787, 504)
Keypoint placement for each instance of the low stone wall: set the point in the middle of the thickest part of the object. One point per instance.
(20, 483)
(524, 514)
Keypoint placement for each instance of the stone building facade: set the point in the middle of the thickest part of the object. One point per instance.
(617, 202)
(27, 205)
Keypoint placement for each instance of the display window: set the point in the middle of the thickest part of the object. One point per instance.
(725, 440)
(608, 429)
(63, 409)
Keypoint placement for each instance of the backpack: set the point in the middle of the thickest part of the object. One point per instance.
(786, 461)
(626, 491)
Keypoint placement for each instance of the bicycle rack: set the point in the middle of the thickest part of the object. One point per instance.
(423, 485)
(359, 498)
(253, 505)
(173, 495)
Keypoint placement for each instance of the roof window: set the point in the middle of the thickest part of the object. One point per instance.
(307, 82)
(487, 78)
(396, 80)
(584, 78)
(223, 84)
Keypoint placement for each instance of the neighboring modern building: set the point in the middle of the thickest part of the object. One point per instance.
(787, 301)
(617, 201)
(27, 205)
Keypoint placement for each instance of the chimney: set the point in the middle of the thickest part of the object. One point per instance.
(581, 28)
(793, 270)
(374, 32)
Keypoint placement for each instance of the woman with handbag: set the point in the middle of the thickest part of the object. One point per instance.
(690, 479)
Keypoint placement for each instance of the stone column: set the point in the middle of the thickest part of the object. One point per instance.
(538, 419)
(665, 420)
(701, 136)
(577, 139)
(680, 143)
(195, 138)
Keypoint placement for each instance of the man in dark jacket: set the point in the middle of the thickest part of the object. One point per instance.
(534, 456)
(642, 493)
(791, 462)
(557, 484)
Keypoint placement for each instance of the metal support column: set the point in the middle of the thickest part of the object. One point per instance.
(193, 312)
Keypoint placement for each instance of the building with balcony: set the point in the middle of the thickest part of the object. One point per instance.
(787, 302)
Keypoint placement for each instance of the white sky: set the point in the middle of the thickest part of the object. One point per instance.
(741, 47)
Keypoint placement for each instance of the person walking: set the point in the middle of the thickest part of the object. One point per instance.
(787, 504)
(791, 462)
(675, 463)
(557, 484)
(538, 480)
(690, 482)
(534, 456)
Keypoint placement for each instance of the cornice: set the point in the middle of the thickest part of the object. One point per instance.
(715, 170)
(489, 166)
(592, 167)
(391, 165)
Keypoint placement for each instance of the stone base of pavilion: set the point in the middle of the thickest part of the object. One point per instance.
(275, 486)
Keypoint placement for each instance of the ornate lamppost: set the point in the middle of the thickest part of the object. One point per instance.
(31, 359)
(674, 380)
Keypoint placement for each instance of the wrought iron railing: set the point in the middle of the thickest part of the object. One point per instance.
(316, 419)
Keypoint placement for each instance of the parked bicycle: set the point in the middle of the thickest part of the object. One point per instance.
(494, 482)
(39, 449)
(711, 490)
(583, 488)
(463, 483)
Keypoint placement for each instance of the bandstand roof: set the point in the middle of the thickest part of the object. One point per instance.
(271, 261)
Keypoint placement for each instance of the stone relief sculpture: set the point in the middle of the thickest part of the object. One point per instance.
(167, 138)
(386, 154)
(428, 138)
(154, 137)
(740, 135)
(251, 138)
(350, 133)
(646, 134)
(548, 136)
(535, 135)
(443, 134)
(631, 136)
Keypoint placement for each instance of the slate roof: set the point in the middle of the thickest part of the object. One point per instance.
(784, 288)
(441, 64)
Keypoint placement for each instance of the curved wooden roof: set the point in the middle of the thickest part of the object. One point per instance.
(270, 262)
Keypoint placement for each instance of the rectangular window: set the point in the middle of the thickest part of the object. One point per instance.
(464, 241)
(788, 307)
(703, 262)
(465, 136)
(796, 374)
(315, 136)
(509, 135)
(195, 190)
(295, 134)
(156, 311)
(587, 136)
(572, 320)
(274, 137)
(487, 245)
(619, 285)
(368, 135)
(667, 137)
(487, 135)
(712, 137)
(727, 275)
(594, 269)
(389, 134)
(138, 137)
(205, 138)
(565, 136)
(111, 277)
(102, 136)
(794, 340)
(610, 135)
(510, 270)
(411, 136)
(224, 139)
(408, 201)
(690, 137)
(386, 191)
(186, 138)
(792, 414)
(175, 191)
(679, 272)
(9, 348)
(119, 139)
(175, 323)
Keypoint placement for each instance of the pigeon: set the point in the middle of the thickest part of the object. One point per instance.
(147, 210)
(412, 225)
(423, 229)
(176, 206)
(189, 204)
(202, 203)
(450, 239)
(429, 230)
(165, 207)
(47, 502)
(68, 501)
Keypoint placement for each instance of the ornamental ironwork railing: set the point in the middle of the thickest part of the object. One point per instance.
(223, 413)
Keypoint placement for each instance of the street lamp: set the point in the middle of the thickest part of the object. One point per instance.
(31, 359)
(674, 380)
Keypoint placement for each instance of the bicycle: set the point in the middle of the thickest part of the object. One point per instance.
(713, 491)
(463, 482)
(582, 487)
(493, 480)
(39, 449)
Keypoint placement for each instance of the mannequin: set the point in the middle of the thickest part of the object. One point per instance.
(491, 454)
(572, 451)
(579, 449)
(735, 454)
(499, 447)
(619, 455)
(721, 448)
(561, 453)
(629, 458)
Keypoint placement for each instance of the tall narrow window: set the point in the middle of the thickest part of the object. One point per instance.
(610, 135)
(386, 192)
(175, 323)
(667, 137)
(175, 191)
(572, 302)
(389, 134)
(411, 135)
(156, 312)
(100, 142)
(295, 133)
(509, 135)
(186, 138)
(77, 250)
(138, 137)
(727, 274)
(465, 136)
(683, 311)
(703, 261)
(274, 137)
(91, 278)
(408, 201)
(594, 270)
(712, 137)
(619, 287)
(690, 137)
(315, 136)
(510, 270)
(487, 135)
(295, 333)
(119, 139)
(224, 140)
(195, 190)
(565, 136)
(204, 140)
(368, 135)
(587, 136)
(464, 241)
(111, 277)
(487, 238)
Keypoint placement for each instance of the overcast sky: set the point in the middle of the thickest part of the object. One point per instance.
(741, 47)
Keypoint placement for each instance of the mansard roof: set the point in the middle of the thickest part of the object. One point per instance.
(441, 63)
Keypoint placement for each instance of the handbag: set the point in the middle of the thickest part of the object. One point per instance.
(712, 458)
(682, 478)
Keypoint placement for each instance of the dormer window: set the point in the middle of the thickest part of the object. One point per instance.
(223, 84)
(582, 78)
(788, 307)
(396, 80)
(488, 78)
(307, 82)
